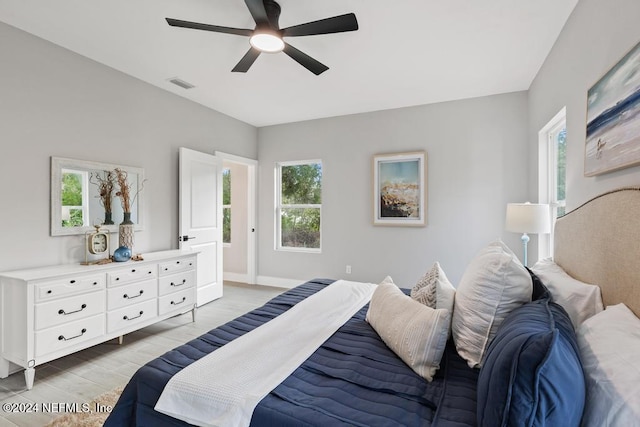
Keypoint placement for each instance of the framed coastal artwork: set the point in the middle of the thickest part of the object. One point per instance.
(399, 189)
(613, 118)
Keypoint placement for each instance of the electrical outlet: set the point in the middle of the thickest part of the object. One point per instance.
(348, 269)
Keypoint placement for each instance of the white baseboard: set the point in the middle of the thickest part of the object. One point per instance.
(279, 282)
(236, 277)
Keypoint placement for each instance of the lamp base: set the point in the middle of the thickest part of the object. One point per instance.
(525, 241)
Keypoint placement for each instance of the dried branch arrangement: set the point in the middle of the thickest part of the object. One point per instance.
(125, 189)
(105, 187)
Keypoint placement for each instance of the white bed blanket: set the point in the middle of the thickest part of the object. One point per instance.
(224, 387)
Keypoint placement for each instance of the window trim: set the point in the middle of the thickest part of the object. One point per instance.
(547, 177)
(279, 206)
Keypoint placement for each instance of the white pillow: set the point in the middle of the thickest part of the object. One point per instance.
(610, 352)
(580, 300)
(494, 283)
(434, 289)
(415, 332)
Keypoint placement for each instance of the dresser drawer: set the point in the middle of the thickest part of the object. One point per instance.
(68, 335)
(64, 310)
(176, 282)
(69, 286)
(130, 274)
(182, 264)
(131, 315)
(184, 300)
(133, 293)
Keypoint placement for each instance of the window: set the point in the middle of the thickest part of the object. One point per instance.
(298, 205)
(553, 173)
(226, 206)
(558, 169)
(75, 196)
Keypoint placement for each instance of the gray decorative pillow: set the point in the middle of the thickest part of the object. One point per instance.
(416, 333)
(434, 289)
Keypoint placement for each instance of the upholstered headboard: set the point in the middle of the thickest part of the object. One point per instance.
(599, 243)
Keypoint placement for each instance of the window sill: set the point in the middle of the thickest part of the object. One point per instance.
(300, 250)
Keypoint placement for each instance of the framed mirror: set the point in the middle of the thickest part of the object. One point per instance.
(80, 196)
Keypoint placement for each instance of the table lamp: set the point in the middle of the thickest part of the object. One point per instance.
(528, 218)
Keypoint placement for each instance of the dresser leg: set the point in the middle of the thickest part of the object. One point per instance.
(4, 367)
(193, 315)
(29, 376)
(120, 339)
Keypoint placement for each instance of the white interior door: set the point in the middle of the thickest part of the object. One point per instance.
(201, 218)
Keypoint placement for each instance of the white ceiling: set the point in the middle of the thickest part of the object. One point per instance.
(407, 52)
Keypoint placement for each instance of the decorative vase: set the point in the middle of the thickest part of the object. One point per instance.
(122, 254)
(107, 218)
(127, 218)
(125, 231)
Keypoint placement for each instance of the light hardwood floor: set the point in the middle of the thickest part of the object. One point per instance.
(82, 376)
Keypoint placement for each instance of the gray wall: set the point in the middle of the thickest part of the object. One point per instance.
(476, 164)
(594, 39)
(57, 103)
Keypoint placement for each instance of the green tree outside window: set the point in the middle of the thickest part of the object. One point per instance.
(561, 147)
(72, 197)
(226, 206)
(300, 205)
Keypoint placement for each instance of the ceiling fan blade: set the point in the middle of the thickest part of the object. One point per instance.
(305, 60)
(208, 27)
(337, 24)
(247, 61)
(258, 12)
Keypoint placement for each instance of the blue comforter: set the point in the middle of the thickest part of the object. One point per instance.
(353, 379)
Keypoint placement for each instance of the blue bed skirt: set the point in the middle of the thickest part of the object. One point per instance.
(353, 379)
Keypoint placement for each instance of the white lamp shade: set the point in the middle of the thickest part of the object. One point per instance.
(528, 218)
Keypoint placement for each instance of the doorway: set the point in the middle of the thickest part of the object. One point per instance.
(239, 212)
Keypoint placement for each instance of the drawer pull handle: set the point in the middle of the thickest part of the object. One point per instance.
(135, 296)
(151, 272)
(82, 307)
(133, 270)
(49, 291)
(125, 317)
(72, 281)
(63, 338)
(95, 283)
(179, 284)
(176, 303)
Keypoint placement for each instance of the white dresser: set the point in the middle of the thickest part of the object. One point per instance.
(54, 311)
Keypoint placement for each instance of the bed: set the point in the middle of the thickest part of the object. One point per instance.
(355, 378)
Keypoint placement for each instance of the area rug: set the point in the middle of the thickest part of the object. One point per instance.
(94, 417)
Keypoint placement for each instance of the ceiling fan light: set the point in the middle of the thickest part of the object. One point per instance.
(267, 42)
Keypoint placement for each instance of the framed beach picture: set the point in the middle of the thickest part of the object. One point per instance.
(399, 189)
(613, 118)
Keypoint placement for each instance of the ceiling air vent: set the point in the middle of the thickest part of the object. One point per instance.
(178, 82)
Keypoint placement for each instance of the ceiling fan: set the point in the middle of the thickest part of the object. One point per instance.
(267, 35)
